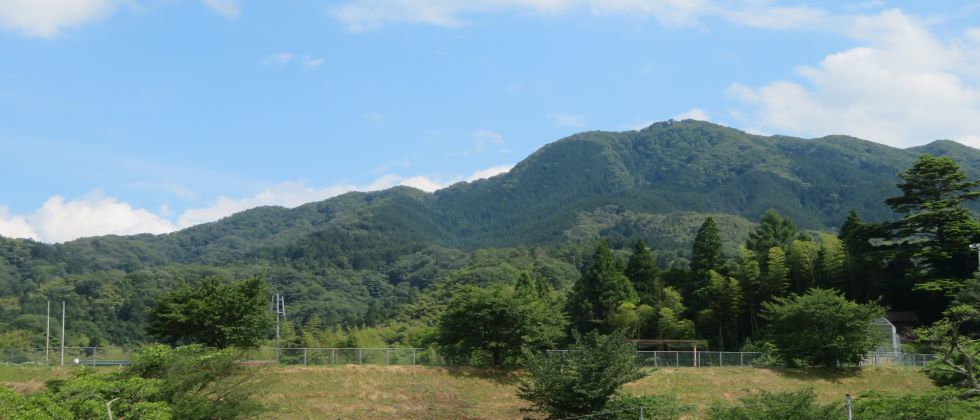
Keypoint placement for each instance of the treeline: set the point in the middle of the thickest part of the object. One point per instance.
(920, 262)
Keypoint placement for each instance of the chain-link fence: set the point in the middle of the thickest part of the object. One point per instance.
(92, 356)
(748, 359)
(106, 356)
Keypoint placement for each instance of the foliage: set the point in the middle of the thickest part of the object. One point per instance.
(957, 359)
(821, 327)
(214, 314)
(724, 297)
(935, 405)
(936, 231)
(662, 407)
(798, 405)
(774, 231)
(599, 292)
(706, 251)
(491, 326)
(642, 271)
(581, 380)
(190, 382)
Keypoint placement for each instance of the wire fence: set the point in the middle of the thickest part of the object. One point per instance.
(113, 356)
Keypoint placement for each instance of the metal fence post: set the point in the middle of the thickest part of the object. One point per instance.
(721, 359)
(386, 356)
(360, 356)
(847, 404)
(333, 356)
(413, 357)
(304, 355)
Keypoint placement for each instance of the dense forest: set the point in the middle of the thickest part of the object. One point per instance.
(714, 221)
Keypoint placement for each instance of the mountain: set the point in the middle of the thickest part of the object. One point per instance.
(657, 184)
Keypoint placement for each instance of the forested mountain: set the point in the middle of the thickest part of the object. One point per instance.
(339, 258)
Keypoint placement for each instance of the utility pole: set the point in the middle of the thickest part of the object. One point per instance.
(47, 337)
(279, 305)
(62, 333)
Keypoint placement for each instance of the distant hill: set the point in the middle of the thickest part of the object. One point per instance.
(669, 167)
(657, 184)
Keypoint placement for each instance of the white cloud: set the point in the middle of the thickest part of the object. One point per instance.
(365, 15)
(561, 119)
(693, 114)
(226, 8)
(15, 226)
(294, 193)
(58, 220)
(904, 86)
(47, 18)
(481, 138)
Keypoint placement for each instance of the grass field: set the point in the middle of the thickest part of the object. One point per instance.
(435, 392)
(432, 392)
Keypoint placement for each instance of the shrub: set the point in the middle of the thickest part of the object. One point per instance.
(661, 407)
(799, 405)
(935, 405)
(581, 380)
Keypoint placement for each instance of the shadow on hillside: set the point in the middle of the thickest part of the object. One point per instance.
(833, 375)
(505, 377)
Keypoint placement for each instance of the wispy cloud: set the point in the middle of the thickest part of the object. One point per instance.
(561, 119)
(227, 8)
(280, 58)
(693, 114)
(284, 58)
(311, 63)
(366, 15)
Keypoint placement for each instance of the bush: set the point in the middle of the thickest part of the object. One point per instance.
(191, 382)
(799, 405)
(665, 407)
(935, 405)
(581, 380)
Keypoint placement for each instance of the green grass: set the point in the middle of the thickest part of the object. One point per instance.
(439, 392)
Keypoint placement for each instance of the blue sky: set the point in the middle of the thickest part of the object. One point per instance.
(126, 116)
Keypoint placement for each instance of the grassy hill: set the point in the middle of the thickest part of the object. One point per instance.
(436, 392)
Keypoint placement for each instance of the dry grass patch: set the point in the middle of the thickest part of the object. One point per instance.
(393, 391)
(704, 386)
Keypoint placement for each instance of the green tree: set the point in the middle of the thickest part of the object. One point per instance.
(821, 327)
(599, 291)
(936, 231)
(214, 314)
(776, 279)
(749, 275)
(706, 251)
(526, 287)
(581, 380)
(724, 297)
(490, 326)
(773, 231)
(642, 271)
(803, 256)
(957, 356)
(833, 264)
